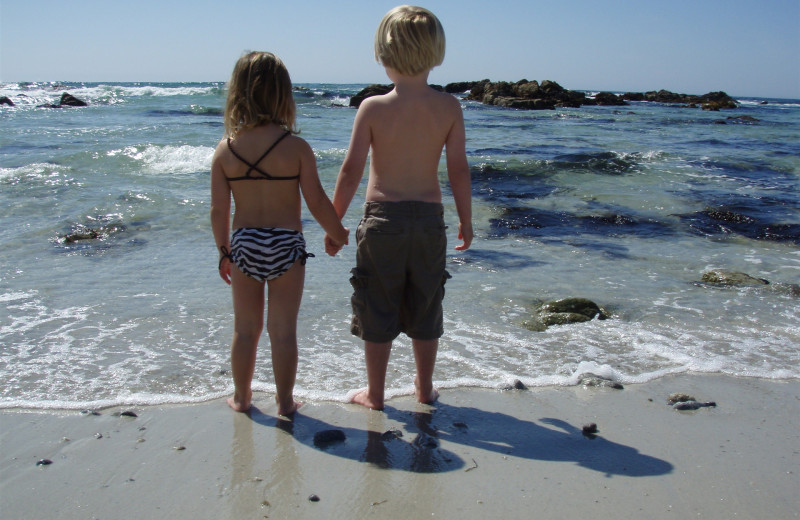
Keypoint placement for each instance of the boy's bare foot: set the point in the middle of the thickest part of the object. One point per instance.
(290, 410)
(426, 396)
(363, 398)
(241, 405)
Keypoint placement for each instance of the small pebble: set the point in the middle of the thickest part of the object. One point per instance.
(44, 462)
(314, 498)
(179, 448)
(98, 435)
(129, 413)
(89, 412)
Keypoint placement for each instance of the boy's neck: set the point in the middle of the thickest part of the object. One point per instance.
(408, 83)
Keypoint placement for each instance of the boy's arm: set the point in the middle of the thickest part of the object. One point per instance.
(352, 170)
(317, 200)
(221, 214)
(459, 177)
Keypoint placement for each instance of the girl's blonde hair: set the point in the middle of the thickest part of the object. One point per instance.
(259, 93)
(410, 40)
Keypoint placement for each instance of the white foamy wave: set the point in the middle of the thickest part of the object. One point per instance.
(35, 170)
(169, 159)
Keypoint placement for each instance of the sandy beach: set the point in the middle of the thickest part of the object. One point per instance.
(476, 453)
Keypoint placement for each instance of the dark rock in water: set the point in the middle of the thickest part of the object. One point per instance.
(6, 101)
(608, 99)
(325, 438)
(128, 413)
(732, 278)
(372, 90)
(516, 385)
(90, 412)
(743, 118)
(564, 311)
(90, 234)
(524, 94)
(68, 100)
(44, 462)
(693, 405)
(589, 379)
(461, 86)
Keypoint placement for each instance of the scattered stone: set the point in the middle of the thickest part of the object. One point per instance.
(179, 448)
(68, 100)
(589, 430)
(516, 385)
(744, 118)
(90, 234)
(44, 462)
(679, 398)
(313, 498)
(460, 425)
(98, 435)
(693, 405)
(589, 379)
(128, 413)
(89, 412)
(6, 101)
(325, 438)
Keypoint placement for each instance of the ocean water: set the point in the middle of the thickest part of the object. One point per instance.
(627, 206)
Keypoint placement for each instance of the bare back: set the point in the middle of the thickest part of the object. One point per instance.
(408, 130)
(262, 202)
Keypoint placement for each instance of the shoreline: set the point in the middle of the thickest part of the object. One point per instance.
(476, 452)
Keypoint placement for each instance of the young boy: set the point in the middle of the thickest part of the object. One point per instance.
(400, 261)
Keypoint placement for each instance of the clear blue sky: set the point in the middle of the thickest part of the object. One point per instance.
(746, 48)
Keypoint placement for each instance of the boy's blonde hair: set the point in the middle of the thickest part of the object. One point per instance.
(259, 93)
(410, 40)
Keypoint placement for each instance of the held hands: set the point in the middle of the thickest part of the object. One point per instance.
(332, 247)
(465, 234)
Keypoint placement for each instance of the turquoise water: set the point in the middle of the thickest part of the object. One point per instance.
(622, 205)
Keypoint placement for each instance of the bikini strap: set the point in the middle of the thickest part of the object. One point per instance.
(254, 166)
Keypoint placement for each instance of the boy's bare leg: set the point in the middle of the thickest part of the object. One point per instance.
(377, 357)
(248, 308)
(285, 294)
(425, 357)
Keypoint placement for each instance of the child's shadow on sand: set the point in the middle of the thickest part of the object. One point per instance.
(419, 449)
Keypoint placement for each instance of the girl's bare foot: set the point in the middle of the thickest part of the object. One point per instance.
(426, 395)
(363, 398)
(239, 404)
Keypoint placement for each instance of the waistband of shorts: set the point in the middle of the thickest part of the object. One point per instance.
(404, 208)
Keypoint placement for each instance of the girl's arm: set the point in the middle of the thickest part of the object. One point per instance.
(221, 214)
(317, 200)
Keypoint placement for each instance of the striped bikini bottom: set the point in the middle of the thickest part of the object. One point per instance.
(266, 253)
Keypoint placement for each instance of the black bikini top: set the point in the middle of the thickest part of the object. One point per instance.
(264, 175)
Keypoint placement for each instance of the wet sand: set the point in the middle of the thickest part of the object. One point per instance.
(476, 453)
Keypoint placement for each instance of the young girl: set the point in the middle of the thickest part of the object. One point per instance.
(265, 167)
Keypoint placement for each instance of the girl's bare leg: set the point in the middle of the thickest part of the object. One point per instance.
(248, 310)
(377, 358)
(285, 294)
(425, 357)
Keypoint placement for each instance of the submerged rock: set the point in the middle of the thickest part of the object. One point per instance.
(732, 278)
(564, 311)
(6, 101)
